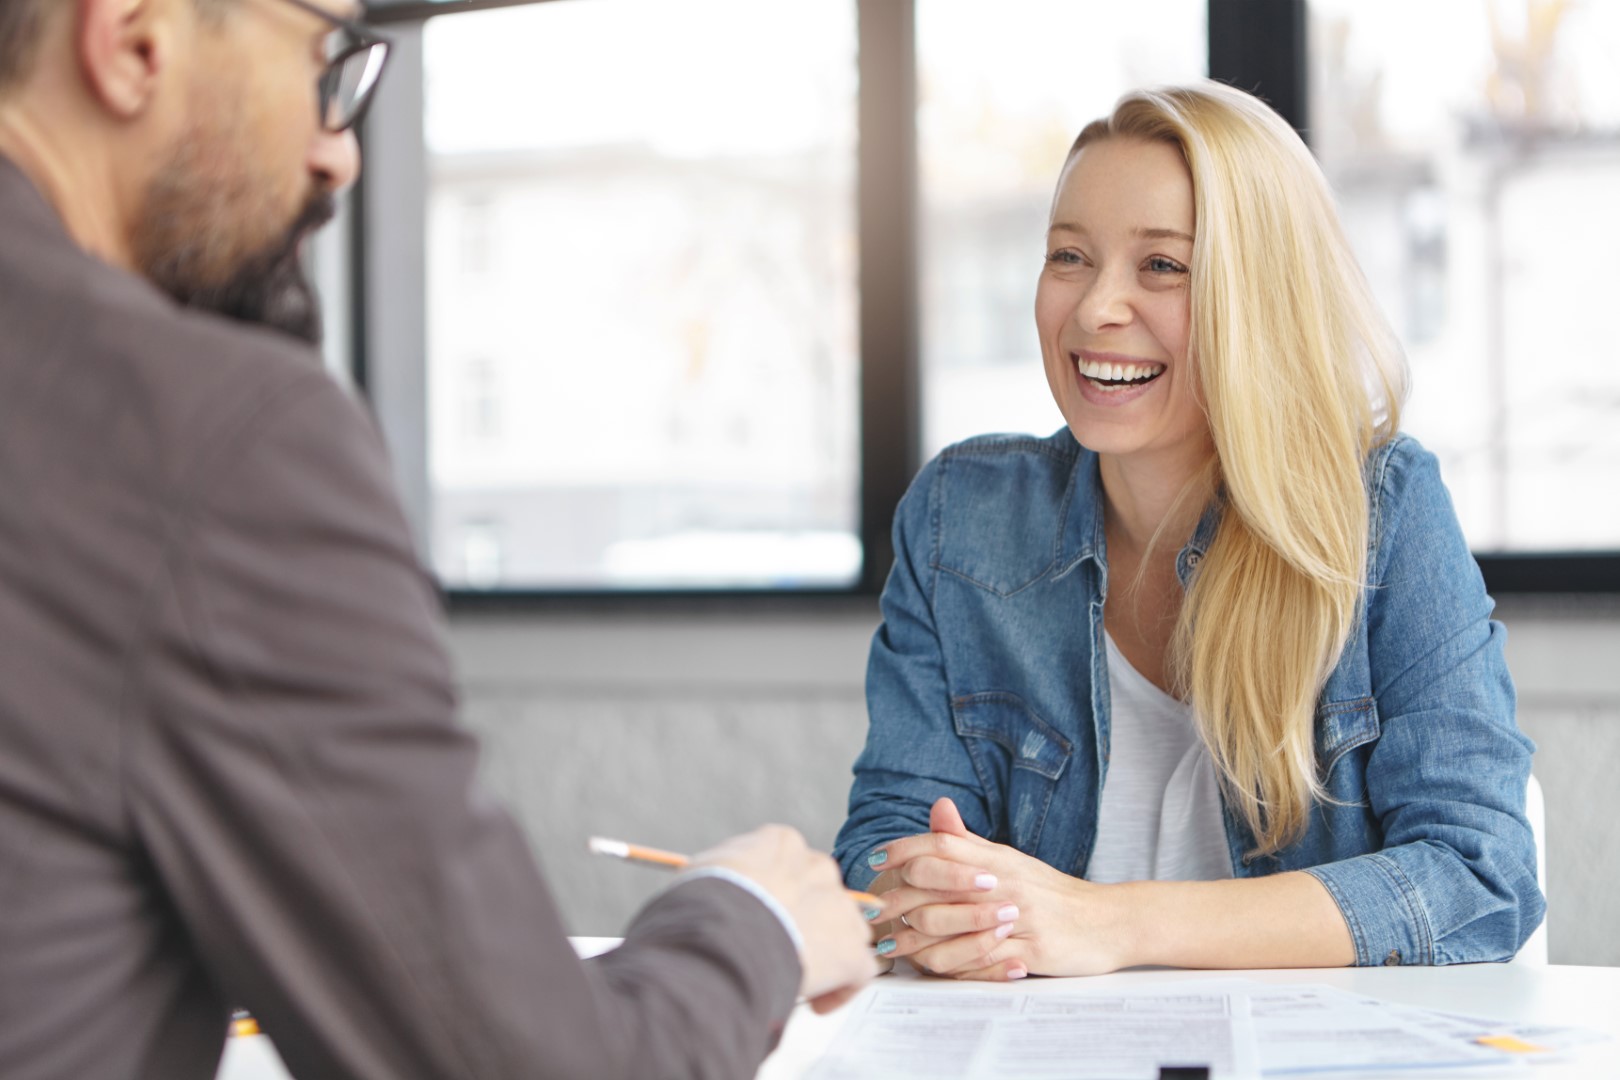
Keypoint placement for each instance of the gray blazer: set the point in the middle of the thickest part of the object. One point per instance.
(230, 771)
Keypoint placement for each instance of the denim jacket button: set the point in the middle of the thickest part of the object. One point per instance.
(1393, 959)
(1192, 560)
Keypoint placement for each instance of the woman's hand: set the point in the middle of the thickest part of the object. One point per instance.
(971, 909)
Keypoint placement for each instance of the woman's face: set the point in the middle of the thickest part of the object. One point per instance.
(1112, 308)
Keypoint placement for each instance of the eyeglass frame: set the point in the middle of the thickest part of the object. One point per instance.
(364, 41)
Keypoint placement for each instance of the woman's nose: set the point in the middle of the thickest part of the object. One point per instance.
(1105, 303)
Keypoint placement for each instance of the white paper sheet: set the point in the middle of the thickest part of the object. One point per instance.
(1314, 1029)
(1238, 1027)
(1011, 1036)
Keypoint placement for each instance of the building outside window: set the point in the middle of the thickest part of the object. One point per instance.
(641, 294)
(1475, 150)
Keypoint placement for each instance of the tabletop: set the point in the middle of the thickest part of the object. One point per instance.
(1586, 997)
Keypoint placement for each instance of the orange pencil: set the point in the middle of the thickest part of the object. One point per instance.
(636, 853)
(619, 849)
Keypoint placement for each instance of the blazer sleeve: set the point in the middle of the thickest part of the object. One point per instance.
(913, 754)
(1455, 880)
(307, 803)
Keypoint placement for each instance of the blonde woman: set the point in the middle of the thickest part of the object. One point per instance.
(1208, 679)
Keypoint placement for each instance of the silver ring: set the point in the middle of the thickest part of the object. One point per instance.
(903, 921)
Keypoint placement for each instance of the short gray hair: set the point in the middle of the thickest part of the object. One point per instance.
(22, 24)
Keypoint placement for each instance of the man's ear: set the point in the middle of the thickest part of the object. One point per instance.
(123, 47)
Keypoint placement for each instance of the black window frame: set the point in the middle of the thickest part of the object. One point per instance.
(1258, 45)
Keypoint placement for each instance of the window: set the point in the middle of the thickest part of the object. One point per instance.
(1477, 183)
(640, 297)
(641, 318)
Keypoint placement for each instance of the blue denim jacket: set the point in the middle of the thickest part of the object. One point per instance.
(988, 683)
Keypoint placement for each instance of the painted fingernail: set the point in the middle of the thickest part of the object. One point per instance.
(985, 882)
(886, 946)
(1007, 913)
(871, 913)
(877, 859)
(1004, 929)
(1016, 973)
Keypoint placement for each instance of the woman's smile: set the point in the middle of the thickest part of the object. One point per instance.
(1111, 378)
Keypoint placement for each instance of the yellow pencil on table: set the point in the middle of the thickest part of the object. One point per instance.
(619, 849)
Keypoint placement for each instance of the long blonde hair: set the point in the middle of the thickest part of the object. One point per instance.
(1301, 377)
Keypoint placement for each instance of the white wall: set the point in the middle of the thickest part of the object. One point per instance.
(676, 728)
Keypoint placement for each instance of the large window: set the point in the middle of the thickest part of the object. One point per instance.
(634, 274)
(676, 295)
(641, 295)
(1475, 150)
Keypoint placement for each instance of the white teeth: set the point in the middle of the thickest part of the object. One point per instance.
(1116, 372)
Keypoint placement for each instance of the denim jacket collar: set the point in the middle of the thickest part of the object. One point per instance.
(1083, 536)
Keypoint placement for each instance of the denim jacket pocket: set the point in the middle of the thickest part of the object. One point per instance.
(1019, 758)
(1341, 726)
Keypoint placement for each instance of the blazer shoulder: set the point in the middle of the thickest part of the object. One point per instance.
(186, 383)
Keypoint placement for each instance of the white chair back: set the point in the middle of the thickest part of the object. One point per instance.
(1535, 808)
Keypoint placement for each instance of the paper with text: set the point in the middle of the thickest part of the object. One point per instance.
(1010, 1036)
(1239, 1027)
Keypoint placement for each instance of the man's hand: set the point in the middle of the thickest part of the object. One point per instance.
(837, 957)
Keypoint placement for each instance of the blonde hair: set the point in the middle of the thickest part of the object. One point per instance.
(1301, 377)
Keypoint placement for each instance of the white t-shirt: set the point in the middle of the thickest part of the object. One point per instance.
(1160, 818)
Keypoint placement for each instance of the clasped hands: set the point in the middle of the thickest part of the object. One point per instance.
(961, 906)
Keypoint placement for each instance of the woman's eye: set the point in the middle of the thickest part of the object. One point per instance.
(1065, 258)
(1158, 264)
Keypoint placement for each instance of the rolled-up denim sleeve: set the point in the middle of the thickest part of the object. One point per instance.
(1455, 880)
(913, 754)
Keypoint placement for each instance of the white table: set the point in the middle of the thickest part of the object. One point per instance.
(1586, 997)
(1580, 996)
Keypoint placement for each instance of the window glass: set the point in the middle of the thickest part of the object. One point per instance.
(1475, 150)
(1003, 89)
(641, 320)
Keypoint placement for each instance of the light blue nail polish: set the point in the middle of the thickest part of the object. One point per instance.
(877, 859)
(872, 913)
(886, 946)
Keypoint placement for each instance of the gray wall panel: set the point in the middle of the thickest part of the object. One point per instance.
(676, 730)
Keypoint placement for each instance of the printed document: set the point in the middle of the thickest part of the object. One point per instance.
(1011, 1036)
(1236, 1027)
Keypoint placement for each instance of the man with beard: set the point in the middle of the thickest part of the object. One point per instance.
(229, 768)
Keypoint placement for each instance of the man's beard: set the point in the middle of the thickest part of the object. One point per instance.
(183, 244)
(270, 288)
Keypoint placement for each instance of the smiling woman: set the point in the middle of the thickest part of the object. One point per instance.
(1209, 678)
(1112, 305)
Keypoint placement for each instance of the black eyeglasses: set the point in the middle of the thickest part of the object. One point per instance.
(354, 65)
